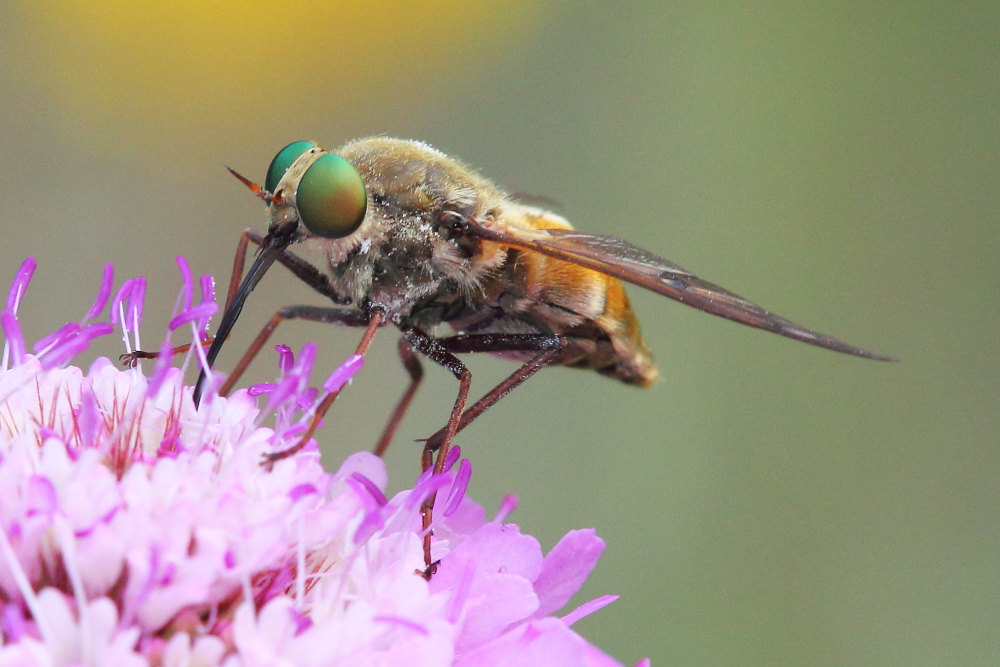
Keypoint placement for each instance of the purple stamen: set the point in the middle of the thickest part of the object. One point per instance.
(458, 488)
(306, 398)
(136, 300)
(294, 430)
(280, 582)
(207, 296)
(202, 311)
(20, 284)
(51, 340)
(103, 293)
(207, 284)
(15, 341)
(281, 390)
(424, 476)
(168, 449)
(343, 373)
(120, 296)
(507, 505)
(185, 270)
(296, 379)
(68, 348)
(96, 330)
(454, 454)
(261, 388)
(62, 353)
(424, 489)
(370, 487)
(303, 367)
(286, 358)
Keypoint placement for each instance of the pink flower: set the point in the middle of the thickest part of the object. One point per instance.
(139, 530)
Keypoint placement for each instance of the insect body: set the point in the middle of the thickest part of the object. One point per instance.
(408, 236)
(407, 256)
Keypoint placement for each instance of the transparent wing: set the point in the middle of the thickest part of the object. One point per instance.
(619, 258)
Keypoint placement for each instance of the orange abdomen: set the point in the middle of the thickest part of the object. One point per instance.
(593, 311)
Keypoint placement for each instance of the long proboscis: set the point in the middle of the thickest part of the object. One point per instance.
(272, 248)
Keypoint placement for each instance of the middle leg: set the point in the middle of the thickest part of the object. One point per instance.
(442, 351)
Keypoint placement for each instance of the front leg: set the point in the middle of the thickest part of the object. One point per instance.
(376, 319)
(346, 318)
(416, 373)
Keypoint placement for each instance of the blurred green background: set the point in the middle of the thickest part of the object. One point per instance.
(768, 503)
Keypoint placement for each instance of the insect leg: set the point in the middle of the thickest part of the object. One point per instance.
(548, 347)
(376, 320)
(416, 372)
(347, 318)
(131, 359)
(436, 352)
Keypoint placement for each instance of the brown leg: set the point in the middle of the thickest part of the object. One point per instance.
(441, 351)
(416, 372)
(547, 346)
(130, 359)
(433, 350)
(376, 320)
(239, 260)
(348, 318)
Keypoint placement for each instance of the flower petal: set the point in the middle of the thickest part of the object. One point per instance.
(565, 568)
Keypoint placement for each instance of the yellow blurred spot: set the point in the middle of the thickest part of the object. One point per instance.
(188, 65)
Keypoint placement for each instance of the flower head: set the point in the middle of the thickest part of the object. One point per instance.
(137, 529)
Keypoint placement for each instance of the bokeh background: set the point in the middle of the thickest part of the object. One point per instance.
(768, 503)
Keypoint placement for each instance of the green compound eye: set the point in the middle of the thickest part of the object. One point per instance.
(331, 197)
(282, 161)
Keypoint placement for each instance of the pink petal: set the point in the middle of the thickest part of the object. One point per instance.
(494, 603)
(544, 642)
(565, 568)
(497, 549)
(588, 608)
